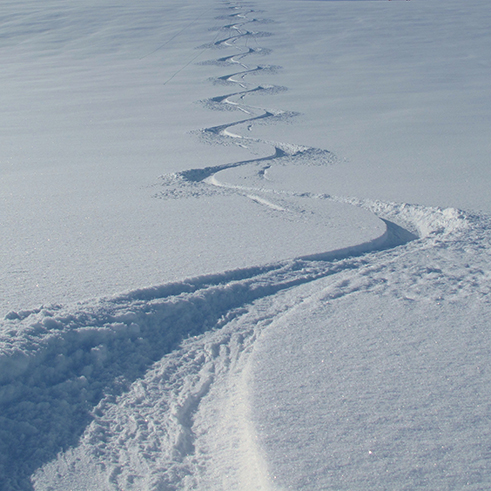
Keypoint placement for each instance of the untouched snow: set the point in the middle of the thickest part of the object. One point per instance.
(308, 327)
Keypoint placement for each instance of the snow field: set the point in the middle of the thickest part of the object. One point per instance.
(77, 358)
(345, 345)
(390, 362)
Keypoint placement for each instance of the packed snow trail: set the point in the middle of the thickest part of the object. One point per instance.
(169, 387)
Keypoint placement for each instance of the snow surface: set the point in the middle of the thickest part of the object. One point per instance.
(245, 245)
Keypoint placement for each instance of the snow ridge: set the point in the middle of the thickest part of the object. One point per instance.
(69, 358)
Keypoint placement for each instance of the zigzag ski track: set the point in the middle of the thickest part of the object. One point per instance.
(123, 392)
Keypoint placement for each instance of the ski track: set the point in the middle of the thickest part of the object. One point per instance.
(98, 376)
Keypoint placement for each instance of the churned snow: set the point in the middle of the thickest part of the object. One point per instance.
(245, 245)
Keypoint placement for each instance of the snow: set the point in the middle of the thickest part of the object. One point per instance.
(392, 371)
(245, 245)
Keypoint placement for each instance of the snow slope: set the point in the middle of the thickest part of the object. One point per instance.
(308, 328)
(93, 115)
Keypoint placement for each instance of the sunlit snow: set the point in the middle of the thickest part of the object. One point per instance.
(245, 245)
